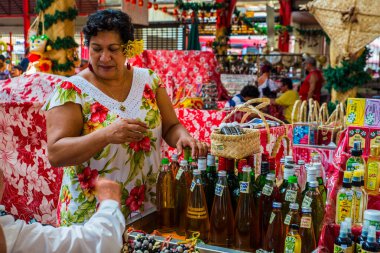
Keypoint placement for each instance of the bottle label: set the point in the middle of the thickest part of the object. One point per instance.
(272, 216)
(267, 190)
(358, 247)
(342, 249)
(344, 206)
(291, 196)
(192, 186)
(373, 173)
(219, 190)
(358, 206)
(307, 201)
(287, 219)
(290, 244)
(197, 213)
(306, 222)
(244, 187)
(179, 173)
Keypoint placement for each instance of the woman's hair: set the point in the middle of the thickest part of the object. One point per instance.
(250, 91)
(266, 68)
(288, 82)
(109, 20)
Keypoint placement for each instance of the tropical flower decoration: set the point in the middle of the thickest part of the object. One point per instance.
(370, 119)
(351, 117)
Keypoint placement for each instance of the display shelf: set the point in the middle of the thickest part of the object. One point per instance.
(203, 248)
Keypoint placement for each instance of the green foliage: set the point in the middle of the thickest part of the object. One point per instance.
(42, 5)
(349, 75)
(50, 20)
(198, 6)
(62, 67)
(63, 43)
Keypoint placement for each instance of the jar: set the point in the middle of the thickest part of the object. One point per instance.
(373, 216)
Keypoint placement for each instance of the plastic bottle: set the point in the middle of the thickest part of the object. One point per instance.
(311, 176)
(307, 231)
(358, 199)
(274, 238)
(313, 199)
(372, 181)
(356, 158)
(292, 194)
(182, 189)
(293, 241)
(302, 174)
(222, 220)
(344, 199)
(166, 195)
(244, 217)
(196, 212)
(292, 217)
(174, 165)
(363, 237)
(348, 221)
(371, 245)
(343, 243)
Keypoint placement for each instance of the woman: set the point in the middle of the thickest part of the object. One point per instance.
(108, 121)
(267, 87)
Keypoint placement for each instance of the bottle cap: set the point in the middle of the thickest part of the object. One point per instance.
(306, 209)
(277, 205)
(196, 172)
(289, 166)
(365, 227)
(288, 173)
(293, 179)
(301, 162)
(190, 160)
(271, 176)
(294, 226)
(282, 160)
(357, 177)
(183, 163)
(165, 161)
(347, 177)
(174, 157)
(288, 158)
(343, 229)
(372, 215)
(294, 206)
(222, 173)
(247, 168)
(371, 234)
(313, 184)
(292, 163)
(312, 171)
(201, 163)
(264, 167)
(357, 149)
(348, 221)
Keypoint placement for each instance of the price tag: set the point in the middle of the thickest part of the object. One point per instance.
(179, 174)
(219, 190)
(272, 216)
(267, 190)
(287, 219)
(192, 186)
(307, 201)
(358, 194)
(244, 187)
(291, 196)
(306, 222)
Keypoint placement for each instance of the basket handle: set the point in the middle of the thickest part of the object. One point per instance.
(245, 107)
(302, 114)
(313, 111)
(295, 111)
(323, 113)
(277, 145)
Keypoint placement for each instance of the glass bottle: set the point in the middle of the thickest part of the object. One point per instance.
(311, 176)
(313, 199)
(166, 195)
(222, 223)
(196, 212)
(241, 164)
(302, 174)
(182, 189)
(356, 158)
(208, 186)
(343, 243)
(284, 185)
(344, 199)
(358, 199)
(307, 231)
(321, 186)
(372, 181)
(275, 235)
(292, 194)
(244, 214)
(280, 175)
(292, 217)
(211, 170)
(293, 241)
(371, 246)
(363, 237)
(261, 179)
(174, 165)
(233, 183)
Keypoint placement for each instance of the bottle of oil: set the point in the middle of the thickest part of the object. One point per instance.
(233, 183)
(244, 214)
(358, 199)
(344, 199)
(211, 169)
(371, 246)
(293, 241)
(321, 185)
(348, 221)
(261, 179)
(182, 189)
(313, 199)
(372, 181)
(363, 237)
(288, 171)
(222, 223)
(174, 165)
(293, 193)
(166, 195)
(307, 231)
(343, 243)
(311, 175)
(356, 158)
(208, 186)
(196, 212)
(292, 217)
(302, 174)
(275, 235)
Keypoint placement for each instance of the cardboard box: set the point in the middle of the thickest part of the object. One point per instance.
(372, 113)
(355, 111)
(358, 134)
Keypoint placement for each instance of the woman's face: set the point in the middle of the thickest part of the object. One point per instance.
(106, 55)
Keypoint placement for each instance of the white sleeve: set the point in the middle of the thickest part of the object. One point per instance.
(102, 233)
(273, 85)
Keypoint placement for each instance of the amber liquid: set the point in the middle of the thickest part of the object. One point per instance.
(244, 223)
(275, 236)
(167, 200)
(181, 204)
(265, 207)
(295, 219)
(308, 237)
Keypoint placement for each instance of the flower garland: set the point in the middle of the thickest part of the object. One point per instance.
(195, 6)
(349, 75)
(42, 5)
(50, 20)
(62, 67)
(63, 43)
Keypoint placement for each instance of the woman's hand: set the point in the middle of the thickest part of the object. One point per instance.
(198, 148)
(126, 130)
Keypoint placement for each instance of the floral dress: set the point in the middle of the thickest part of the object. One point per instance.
(134, 165)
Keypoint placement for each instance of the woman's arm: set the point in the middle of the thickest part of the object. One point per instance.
(173, 132)
(67, 147)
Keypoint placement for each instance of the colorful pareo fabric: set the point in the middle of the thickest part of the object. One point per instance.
(134, 165)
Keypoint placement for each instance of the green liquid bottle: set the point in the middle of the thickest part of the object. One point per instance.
(293, 241)
(343, 243)
(344, 199)
(363, 237)
(356, 160)
(307, 231)
(371, 246)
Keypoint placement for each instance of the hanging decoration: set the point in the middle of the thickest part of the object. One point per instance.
(198, 6)
(150, 5)
(141, 3)
(50, 20)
